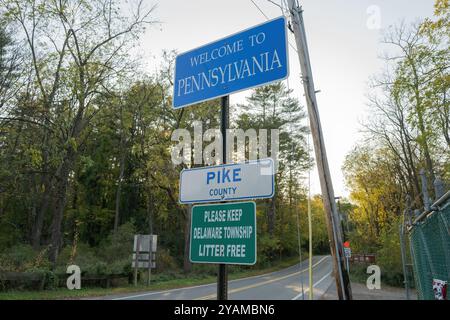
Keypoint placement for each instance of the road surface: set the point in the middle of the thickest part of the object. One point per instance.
(280, 285)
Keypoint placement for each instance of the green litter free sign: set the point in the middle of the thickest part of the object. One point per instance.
(224, 233)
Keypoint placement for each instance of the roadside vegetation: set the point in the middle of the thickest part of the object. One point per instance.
(85, 157)
(85, 150)
(160, 281)
(407, 131)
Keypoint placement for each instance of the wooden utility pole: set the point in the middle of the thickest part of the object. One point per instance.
(333, 224)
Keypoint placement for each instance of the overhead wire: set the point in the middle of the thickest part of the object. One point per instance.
(260, 10)
(267, 18)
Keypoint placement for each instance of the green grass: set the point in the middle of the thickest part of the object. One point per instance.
(160, 283)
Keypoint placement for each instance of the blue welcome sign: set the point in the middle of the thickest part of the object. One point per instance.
(250, 58)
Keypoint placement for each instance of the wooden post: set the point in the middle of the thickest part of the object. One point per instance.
(150, 259)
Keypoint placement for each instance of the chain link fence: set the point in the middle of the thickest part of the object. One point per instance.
(430, 249)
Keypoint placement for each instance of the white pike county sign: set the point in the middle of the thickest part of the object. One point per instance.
(242, 181)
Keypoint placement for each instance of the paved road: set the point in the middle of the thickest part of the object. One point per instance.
(280, 285)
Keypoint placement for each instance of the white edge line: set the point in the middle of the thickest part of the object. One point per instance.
(314, 285)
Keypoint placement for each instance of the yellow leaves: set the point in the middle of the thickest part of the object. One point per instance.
(373, 188)
(35, 157)
(441, 7)
(442, 12)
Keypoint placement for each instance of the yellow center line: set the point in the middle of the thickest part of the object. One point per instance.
(212, 296)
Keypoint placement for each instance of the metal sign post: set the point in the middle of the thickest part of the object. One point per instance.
(222, 277)
(348, 255)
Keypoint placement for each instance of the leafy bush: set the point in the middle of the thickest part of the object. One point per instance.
(389, 257)
(51, 280)
(113, 256)
(204, 269)
(122, 266)
(268, 247)
(22, 258)
(86, 258)
(165, 261)
(118, 245)
(358, 273)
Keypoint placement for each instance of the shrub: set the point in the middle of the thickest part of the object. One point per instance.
(204, 270)
(165, 261)
(267, 247)
(86, 258)
(50, 278)
(118, 245)
(389, 257)
(122, 266)
(17, 258)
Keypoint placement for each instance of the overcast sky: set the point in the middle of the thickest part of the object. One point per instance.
(343, 38)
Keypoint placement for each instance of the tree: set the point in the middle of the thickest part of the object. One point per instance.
(78, 53)
(378, 200)
(273, 107)
(9, 66)
(407, 131)
(420, 69)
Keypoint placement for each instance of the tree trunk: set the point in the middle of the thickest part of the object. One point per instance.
(46, 195)
(187, 265)
(150, 213)
(271, 216)
(122, 170)
(36, 233)
(62, 181)
(421, 124)
(119, 192)
(426, 151)
(58, 213)
(412, 172)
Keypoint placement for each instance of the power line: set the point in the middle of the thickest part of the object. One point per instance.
(279, 6)
(267, 18)
(259, 9)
